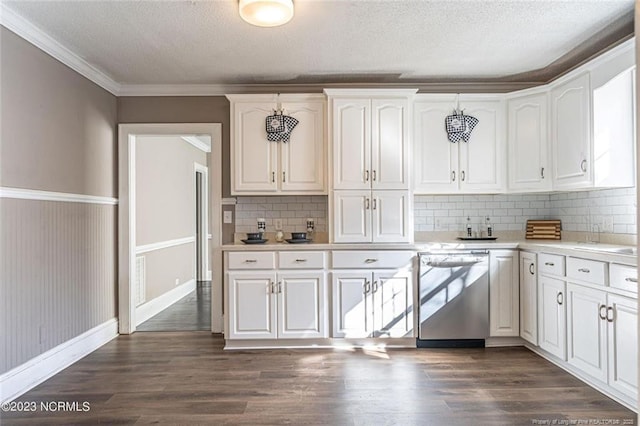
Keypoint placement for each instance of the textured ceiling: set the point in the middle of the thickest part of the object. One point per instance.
(206, 42)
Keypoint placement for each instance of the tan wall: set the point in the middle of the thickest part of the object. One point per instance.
(165, 208)
(58, 128)
(58, 259)
(181, 109)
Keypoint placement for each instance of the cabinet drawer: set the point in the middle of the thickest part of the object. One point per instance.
(623, 277)
(551, 264)
(301, 260)
(252, 260)
(371, 259)
(591, 271)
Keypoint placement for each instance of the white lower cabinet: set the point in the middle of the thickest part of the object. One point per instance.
(552, 316)
(587, 330)
(269, 305)
(528, 298)
(622, 318)
(372, 304)
(503, 293)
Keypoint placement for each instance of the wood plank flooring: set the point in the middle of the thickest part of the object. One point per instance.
(186, 378)
(191, 313)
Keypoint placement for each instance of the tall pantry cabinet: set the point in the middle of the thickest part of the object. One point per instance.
(369, 146)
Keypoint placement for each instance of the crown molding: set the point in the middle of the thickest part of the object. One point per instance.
(198, 143)
(25, 29)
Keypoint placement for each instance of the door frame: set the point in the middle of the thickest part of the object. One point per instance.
(127, 134)
(203, 273)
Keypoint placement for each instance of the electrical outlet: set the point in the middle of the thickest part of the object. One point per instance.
(227, 216)
(438, 224)
(607, 224)
(177, 281)
(278, 224)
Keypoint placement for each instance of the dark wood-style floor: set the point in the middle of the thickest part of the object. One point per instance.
(186, 378)
(191, 313)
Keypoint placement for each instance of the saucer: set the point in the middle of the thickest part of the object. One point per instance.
(298, 240)
(254, 241)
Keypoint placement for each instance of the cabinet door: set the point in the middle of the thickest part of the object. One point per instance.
(301, 305)
(352, 216)
(435, 158)
(253, 158)
(483, 158)
(587, 331)
(528, 298)
(570, 134)
(252, 305)
(623, 345)
(528, 143)
(352, 313)
(390, 216)
(503, 293)
(552, 321)
(303, 157)
(389, 144)
(392, 304)
(351, 127)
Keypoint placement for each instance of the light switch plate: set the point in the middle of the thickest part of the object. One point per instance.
(278, 224)
(227, 217)
(607, 224)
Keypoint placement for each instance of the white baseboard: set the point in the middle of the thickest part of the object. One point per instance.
(25, 377)
(160, 303)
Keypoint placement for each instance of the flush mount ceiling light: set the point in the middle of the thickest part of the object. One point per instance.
(266, 13)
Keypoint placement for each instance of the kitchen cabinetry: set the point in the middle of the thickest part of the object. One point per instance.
(552, 316)
(365, 216)
(264, 303)
(622, 336)
(476, 166)
(528, 298)
(376, 301)
(528, 141)
(503, 293)
(262, 167)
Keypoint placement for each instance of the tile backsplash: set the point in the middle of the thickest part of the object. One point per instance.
(508, 212)
(293, 210)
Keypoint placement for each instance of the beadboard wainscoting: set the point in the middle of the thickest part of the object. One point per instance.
(57, 276)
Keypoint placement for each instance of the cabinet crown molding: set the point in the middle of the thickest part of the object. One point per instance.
(368, 93)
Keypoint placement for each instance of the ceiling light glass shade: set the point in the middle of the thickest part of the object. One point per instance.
(266, 13)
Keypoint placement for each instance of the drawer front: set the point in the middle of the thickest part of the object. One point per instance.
(623, 277)
(371, 259)
(301, 260)
(551, 264)
(591, 271)
(252, 260)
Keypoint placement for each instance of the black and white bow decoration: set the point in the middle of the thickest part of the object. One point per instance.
(280, 126)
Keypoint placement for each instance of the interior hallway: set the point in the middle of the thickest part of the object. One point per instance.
(191, 313)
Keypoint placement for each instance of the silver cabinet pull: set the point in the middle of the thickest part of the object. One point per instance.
(250, 261)
(542, 172)
(375, 203)
(612, 317)
(549, 264)
(585, 270)
(531, 269)
(367, 287)
(370, 260)
(366, 175)
(366, 203)
(583, 166)
(373, 175)
(279, 286)
(601, 314)
(272, 287)
(560, 298)
(453, 176)
(631, 280)
(375, 286)
(283, 176)
(301, 260)
(462, 175)
(273, 177)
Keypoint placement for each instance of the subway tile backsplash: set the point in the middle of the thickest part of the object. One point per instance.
(508, 212)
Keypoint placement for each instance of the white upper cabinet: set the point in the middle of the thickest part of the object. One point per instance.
(570, 133)
(440, 166)
(369, 131)
(593, 123)
(528, 142)
(262, 167)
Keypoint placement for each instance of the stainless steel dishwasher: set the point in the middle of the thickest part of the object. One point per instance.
(454, 299)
